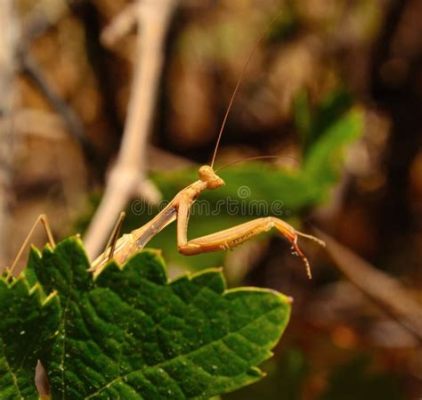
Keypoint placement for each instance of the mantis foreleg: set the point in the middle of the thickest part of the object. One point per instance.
(231, 237)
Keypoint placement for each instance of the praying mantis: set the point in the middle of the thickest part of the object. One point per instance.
(178, 209)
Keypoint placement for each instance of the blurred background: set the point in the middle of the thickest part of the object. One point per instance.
(333, 89)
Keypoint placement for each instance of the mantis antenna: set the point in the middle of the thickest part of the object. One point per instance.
(253, 158)
(236, 89)
(233, 96)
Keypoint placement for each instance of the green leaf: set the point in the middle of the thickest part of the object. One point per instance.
(28, 324)
(313, 123)
(322, 165)
(131, 334)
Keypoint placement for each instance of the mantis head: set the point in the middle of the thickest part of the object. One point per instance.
(207, 175)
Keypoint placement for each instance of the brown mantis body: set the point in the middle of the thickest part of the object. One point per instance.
(178, 209)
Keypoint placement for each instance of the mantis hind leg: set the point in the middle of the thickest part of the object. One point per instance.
(42, 218)
(229, 238)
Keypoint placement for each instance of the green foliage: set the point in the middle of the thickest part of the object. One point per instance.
(313, 123)
(322, 164)
(130, 333)
(28, 326)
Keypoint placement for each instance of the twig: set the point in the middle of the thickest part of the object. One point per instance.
(8, 99)
(127, 177)
(382, 288)
(120, 25)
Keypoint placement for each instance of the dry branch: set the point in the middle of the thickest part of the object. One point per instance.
(127, 177)
(383, 289)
